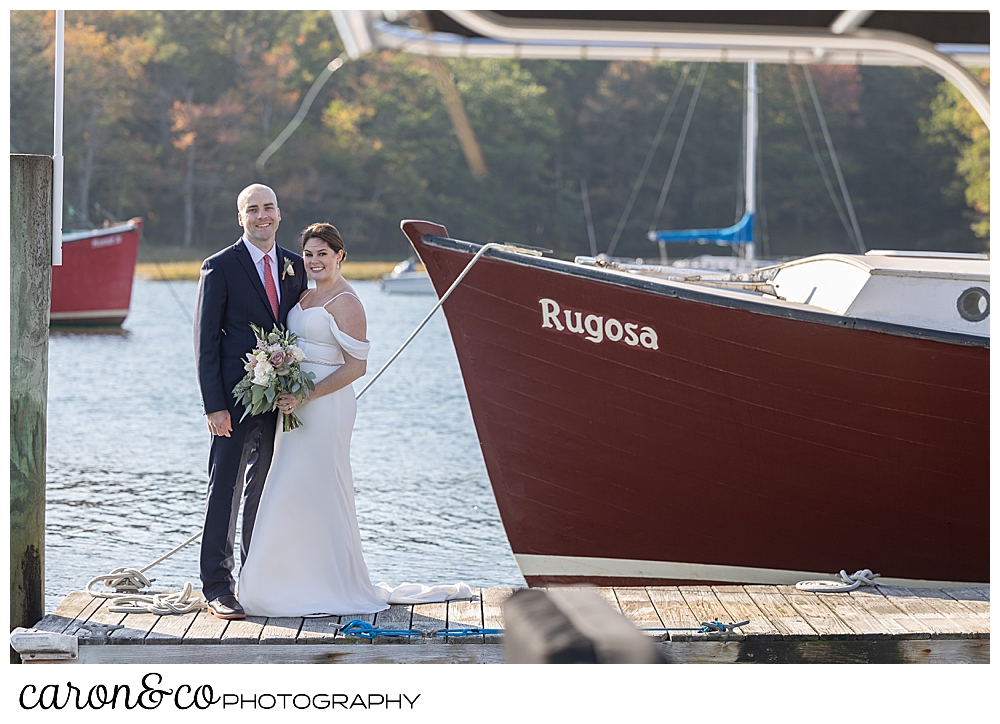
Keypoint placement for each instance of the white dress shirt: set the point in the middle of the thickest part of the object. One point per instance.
(258, 261)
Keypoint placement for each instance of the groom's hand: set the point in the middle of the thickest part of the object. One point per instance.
(219, 423)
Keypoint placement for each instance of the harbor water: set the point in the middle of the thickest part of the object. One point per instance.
(128, 448)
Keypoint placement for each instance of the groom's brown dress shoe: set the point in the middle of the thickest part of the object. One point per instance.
(226, 607)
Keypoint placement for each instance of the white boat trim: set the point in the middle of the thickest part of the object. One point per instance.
(539, 565)
(89, 314)
(917, 253)
(92, 233)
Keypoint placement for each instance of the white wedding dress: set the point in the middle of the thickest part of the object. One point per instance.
(305, 555)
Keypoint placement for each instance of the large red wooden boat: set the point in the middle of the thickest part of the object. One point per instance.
(94, 284)
(830, 413)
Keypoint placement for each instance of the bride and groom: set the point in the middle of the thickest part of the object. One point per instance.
(297, 488)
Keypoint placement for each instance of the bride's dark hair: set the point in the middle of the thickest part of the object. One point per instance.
(327, 233)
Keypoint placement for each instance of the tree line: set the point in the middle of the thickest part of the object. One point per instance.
(166, 113)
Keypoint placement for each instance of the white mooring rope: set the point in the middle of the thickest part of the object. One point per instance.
(129, 590)
(179, 602)
(847, 582)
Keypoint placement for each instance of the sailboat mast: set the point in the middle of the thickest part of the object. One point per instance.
(750, 182)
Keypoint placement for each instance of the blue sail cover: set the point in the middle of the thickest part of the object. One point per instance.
(736, 235)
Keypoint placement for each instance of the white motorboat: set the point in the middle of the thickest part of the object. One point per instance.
(405, 278)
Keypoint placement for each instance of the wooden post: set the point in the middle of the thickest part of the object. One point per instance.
(30, 297)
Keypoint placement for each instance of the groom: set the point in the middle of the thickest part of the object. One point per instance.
(252, 281)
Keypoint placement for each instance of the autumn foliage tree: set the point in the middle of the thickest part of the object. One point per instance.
(204, 134)
(102, 79)
(954, 122)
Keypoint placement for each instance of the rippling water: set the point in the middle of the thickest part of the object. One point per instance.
(128, 451)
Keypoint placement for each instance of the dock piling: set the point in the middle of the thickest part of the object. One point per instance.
(30, 297)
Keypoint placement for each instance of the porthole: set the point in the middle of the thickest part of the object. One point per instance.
(974, 304)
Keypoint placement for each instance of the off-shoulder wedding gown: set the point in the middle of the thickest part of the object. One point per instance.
(305, 555)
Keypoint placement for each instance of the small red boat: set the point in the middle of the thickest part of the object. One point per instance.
(823, 414)
(93, 287)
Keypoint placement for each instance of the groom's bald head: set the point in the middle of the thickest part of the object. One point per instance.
(245, 194)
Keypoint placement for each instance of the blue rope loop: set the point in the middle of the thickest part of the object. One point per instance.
(715, 626)
(468, 631)
(363, 629)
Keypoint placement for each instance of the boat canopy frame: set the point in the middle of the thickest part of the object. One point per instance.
(844, 41)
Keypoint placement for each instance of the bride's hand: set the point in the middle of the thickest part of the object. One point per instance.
(286, 403)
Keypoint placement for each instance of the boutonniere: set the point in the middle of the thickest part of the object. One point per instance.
(289, 269)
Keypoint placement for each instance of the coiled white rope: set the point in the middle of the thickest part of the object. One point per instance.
(128, 590)
(848, 582)
(176, 602)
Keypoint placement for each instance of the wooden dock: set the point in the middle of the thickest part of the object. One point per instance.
(884, 624)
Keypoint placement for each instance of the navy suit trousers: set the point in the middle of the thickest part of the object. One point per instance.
(234, 463)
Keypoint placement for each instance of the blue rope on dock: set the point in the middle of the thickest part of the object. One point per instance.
(715, 626)
(363, 629)
(469, 631)
(357, 627)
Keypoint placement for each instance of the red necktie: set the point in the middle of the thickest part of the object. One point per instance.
(272, 292)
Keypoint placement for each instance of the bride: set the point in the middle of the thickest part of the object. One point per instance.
(306, 553)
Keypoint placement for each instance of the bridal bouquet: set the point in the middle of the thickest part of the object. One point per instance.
(273, 369)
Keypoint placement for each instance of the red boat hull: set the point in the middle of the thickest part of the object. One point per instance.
(752, 445)
(93, 286)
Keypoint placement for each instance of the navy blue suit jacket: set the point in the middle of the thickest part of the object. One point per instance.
(230, 297)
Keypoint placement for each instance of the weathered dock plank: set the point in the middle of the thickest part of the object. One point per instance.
(706, 607)
(782, 614)
(170, 629)
(71, 611)
(205, 629)
(100, 620)
(396, 616)
(244, 630)
(318, 630)
(960, 613)
(703, 602)
(466, 614)
(852, 613)
(429, 617)
(637, 607)
(893, 621)
(914, 604)
(493, 599)
(280, 630)
(136, 627)
(968, 594)
(816, 613)
(973, 599)
(741, 607)
(675, 613)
